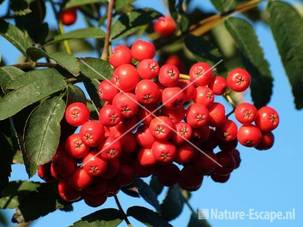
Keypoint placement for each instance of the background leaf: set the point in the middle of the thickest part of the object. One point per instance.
(247, 41)
(155, 185)
(224, 5)
(78, 3)
(194, 221)
(287, 28)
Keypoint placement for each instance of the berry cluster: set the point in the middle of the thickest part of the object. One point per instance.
(156, 121)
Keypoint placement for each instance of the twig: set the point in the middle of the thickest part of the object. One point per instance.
(121, 209)
(105, 51)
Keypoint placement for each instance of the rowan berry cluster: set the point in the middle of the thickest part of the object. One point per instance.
(156, 121)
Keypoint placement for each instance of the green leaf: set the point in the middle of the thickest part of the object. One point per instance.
(18, 38)
(75, 94)
(85, 33)
(156, 185)
(224, 5)
(95, 68)
(147, 193)
(42, 133)
(65, 60)
(78, 3)
(44, 82)
(92, 88)
(287, 28)
(247, 41)
(106, 218)
(8, 74)
(31, 199)
(194, 221)
(123, 5)
(173, 203)
(147, 216)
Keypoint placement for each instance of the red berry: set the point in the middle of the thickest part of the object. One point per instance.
(249, 135)
(128, 143)
(204, 96)
(126, 103)
(245, 113)
(62, 166)
(144, 137)
(228, 162)
(238, 80)
(205, 163)
(175, 115)
(92, 133)
(220, 178)
(183, 132)
(75, 147)
(67, 192)
(189, 90)
(81, 179)
(147, 92)
(165, 26)
(175, 60)
(161, 128)
(141, 50)
(197, 115)
(148, 68)
(224, 145)
(168, 174)
(169, 75)
(109, 115)
(218, 85)
(147, 114)
(189, 179)
(106, 90)
(185, 154)
(93, 200)
(164, 152)
(93, 165)
(267, 119)
(44, 172)
(228, 132)
(125, 175)
(267, 141)
(201, 74)
(217, 115)
(76, 114)
(126, 77)
(201, 133)
(121, 55)
(68, 16)
(146, 157)
(172, 97)
(111, 149)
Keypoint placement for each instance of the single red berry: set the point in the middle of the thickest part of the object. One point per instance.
(164, 152)
(113, 166)
(201, 74)
(185, 154)
(267, 141)
(145, 138)
(218, 85)
(148, 68)
(238, 80)
(94, 201)
(93, 165)
(107, 90)
(176, 61)
(146, 157)
(92, 133)
(111, 149)
(172, 97)
(220, 178)
(109, 115)
(81, 179)
(75, 147)
(121, 55)
(141, 50)
(169, 75)
(128, 143)
(147, 92)
(249, 135)
(126, 103)
(228, 131)
(183, 132)
(168, 174)
(217, 115)
(76, 114)
(205, 163)
(189, 90)
(68, 16)
(67, 192)
(44, 172)
(165, 26)
(189, 179)
(197, 115)
(245, 113)
(175, 115)
(126, 77)
(267, 119)
(161, 128)
(204, 96)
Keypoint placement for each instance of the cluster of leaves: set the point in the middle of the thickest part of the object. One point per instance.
(33, 99)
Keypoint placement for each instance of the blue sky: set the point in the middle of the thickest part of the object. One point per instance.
(269, 180)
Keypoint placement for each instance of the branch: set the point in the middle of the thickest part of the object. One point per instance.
(121, 209)
(110, 7)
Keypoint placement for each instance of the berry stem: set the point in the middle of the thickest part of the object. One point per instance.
(105, 51)
(122, 211)
(66, 45)
(184, 76)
